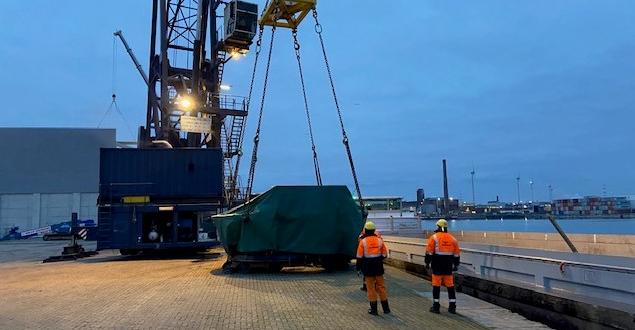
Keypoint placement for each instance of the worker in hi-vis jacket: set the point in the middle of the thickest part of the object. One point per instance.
(371, 253)
(443, 253)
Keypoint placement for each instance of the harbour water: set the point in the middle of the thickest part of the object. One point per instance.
(572, 226)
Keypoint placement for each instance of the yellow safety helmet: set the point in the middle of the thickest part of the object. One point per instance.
(442, 223)
(369, 225)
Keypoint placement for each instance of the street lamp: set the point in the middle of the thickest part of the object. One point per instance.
(518, 188)
(473, 194)
(531, 188)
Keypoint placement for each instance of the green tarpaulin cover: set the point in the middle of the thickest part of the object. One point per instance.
(294, 219)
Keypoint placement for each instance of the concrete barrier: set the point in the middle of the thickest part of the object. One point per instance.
(546, 286)
(615, 245)
(599, 244)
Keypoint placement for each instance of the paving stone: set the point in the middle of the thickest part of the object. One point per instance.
(114, 292)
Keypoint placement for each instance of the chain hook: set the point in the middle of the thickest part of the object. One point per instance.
(296, 44)
(316, 164)
(318, 30)
(254, 153)
(318, 26)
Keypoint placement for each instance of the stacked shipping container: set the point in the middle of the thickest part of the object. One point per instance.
(593, 205)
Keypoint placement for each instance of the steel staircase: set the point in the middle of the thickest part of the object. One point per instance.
(231, 139)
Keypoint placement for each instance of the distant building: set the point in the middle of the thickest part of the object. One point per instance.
(433, 206)
(410, 206)
(388, 207)
(420, 197)
(47, 173)
(383, 203)
(592, 206)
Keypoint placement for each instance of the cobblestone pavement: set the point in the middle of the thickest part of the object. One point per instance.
(111, 291)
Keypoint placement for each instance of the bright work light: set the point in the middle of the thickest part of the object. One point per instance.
(185, 103)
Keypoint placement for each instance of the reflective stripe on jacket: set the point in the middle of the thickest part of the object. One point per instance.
(443, 252)
(371, 247)
(371, 252)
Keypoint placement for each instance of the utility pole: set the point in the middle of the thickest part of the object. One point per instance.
(518, 187)
(531, 188)
(473, 194)
(446, 194)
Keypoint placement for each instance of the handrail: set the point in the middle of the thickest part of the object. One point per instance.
(621, 269)
(557, 261)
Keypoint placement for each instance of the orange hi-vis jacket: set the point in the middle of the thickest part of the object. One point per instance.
(371, 252)
(443, 252)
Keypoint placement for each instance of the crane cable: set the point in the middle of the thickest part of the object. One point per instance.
(316, 165)
(254, 154)
(318, 30)
(113, 103)
(251, 88)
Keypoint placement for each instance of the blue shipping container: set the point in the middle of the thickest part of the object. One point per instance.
(162, 174)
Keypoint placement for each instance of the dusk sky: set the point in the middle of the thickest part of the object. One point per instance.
(540, 89)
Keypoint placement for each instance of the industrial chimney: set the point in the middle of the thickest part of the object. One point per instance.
(446, 196)
(420, 197)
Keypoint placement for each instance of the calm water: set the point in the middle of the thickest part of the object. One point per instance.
(579, 226)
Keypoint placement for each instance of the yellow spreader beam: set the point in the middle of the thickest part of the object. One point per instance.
(287, 14)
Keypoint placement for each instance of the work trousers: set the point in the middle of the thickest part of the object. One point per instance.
(448, 282)
(375, 286)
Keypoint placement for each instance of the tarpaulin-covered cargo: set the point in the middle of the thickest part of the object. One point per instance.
(313, 220)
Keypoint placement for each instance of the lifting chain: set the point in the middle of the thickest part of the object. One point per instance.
(261, 30)
(253, 73)
(251, 88)
(254, 154)
(316, 165)
(318, 30)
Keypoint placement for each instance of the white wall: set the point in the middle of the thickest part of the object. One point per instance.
(48, 173)
(29, 211)
(15, 210)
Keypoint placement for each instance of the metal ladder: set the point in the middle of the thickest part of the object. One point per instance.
(231, 140)
(104, 227)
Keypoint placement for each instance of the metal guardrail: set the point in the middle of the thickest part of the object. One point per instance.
(559, 262)
(587, 265)
(586, 279)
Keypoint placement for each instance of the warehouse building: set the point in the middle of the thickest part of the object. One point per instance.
(48, 173)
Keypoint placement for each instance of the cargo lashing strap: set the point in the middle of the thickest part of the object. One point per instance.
(345, 140)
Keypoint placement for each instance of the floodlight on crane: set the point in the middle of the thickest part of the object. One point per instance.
(185, 103)
(241, 24)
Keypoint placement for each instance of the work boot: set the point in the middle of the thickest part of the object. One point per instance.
(436, 308)
(452, 308)
(373, 308)
(385, 307)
